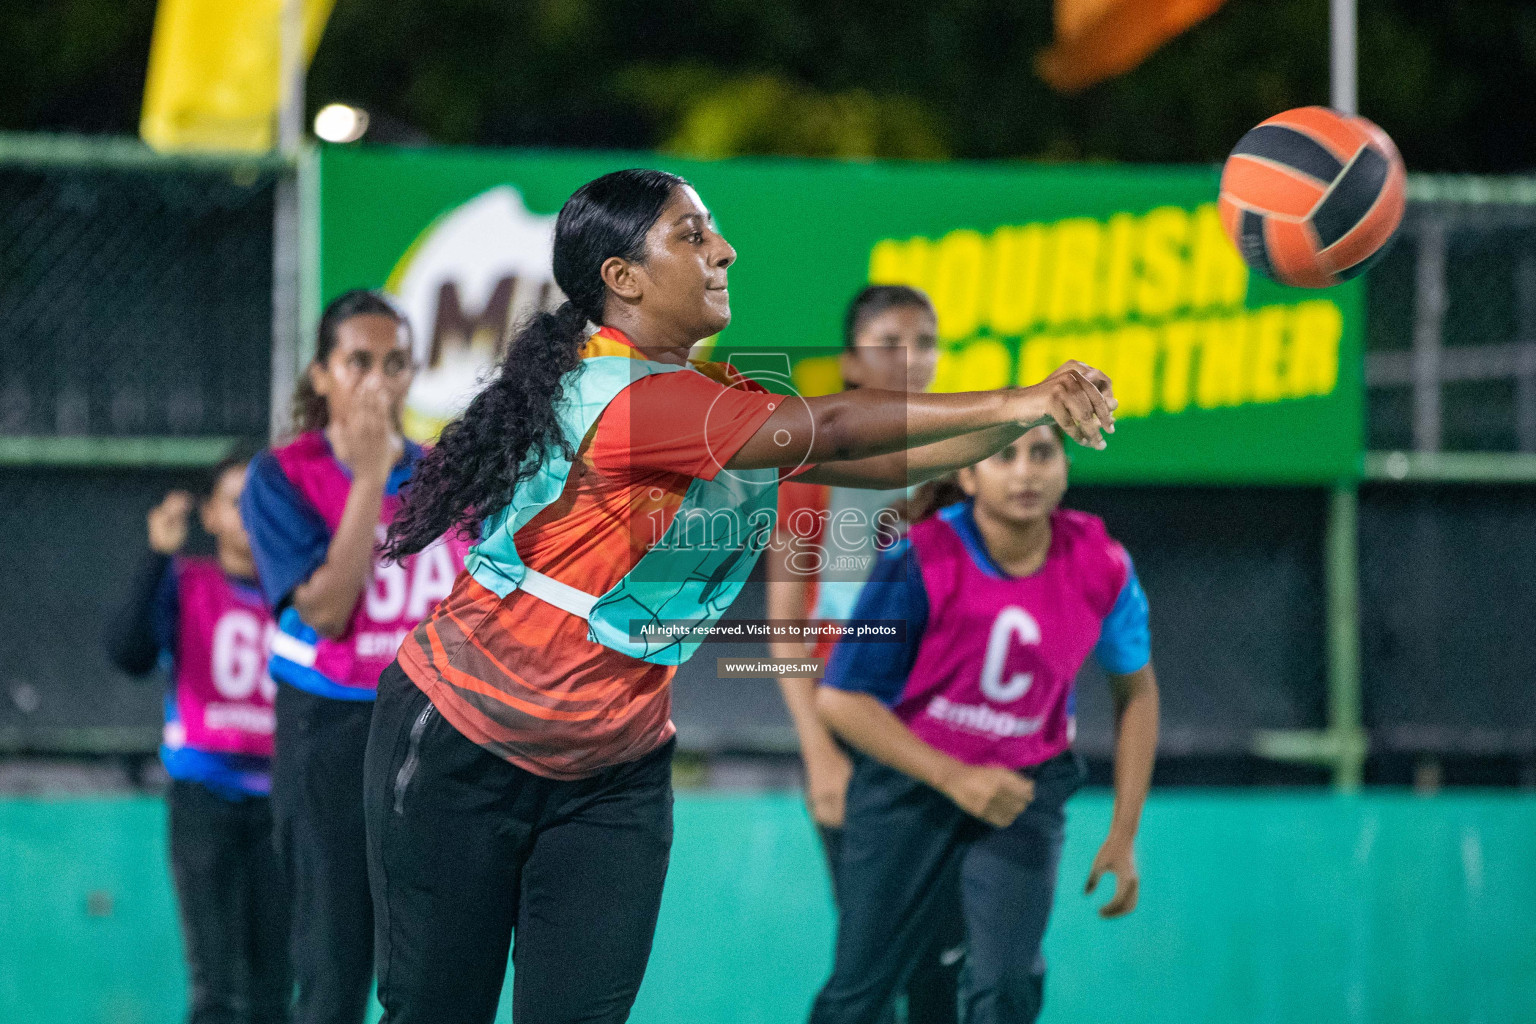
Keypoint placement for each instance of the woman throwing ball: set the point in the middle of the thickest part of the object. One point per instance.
(966, 735)
(519, 766)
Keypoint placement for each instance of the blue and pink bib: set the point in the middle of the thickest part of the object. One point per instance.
(294, 499)
(218, 712)
(987, 673)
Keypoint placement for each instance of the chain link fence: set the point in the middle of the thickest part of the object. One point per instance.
(136, 330)
(1451, 350)
(135, 300)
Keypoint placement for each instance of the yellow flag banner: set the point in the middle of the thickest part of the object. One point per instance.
(215, 70)
(1097, 40)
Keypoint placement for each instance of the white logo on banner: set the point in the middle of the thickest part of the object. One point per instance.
(1011, 622)
(466, 282)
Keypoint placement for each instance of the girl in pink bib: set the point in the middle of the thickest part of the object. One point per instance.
(964, 729)
(316, 509)
(203, 621)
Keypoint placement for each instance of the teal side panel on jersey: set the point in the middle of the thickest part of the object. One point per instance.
(695, 567)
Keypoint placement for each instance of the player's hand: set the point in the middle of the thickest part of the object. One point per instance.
(1116, 857)
(826, 784)
(168, 523)
(368, 435)
(1078, 398)
(995, 795)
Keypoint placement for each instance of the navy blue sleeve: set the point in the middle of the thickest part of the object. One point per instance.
(288, 536)
(144, 628)
(895, 591)
(1125, 642)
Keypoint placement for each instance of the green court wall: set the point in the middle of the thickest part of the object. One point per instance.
(1255, 908)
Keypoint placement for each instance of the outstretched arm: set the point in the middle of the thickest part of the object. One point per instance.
(862, 424)
(1135, 750)
(903, 469)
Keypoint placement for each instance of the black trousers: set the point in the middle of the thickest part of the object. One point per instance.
(905, 849)
(466, 849)
(317, 801)
(932, 988)
(234, 907)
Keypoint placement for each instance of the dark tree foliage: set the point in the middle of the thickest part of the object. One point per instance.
(1450, 79)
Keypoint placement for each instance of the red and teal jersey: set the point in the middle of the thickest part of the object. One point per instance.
(520, 676)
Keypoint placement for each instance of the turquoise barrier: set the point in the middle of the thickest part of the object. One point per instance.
(1269, 909)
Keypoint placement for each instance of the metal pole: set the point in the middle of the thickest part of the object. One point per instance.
(1343, 568)
(290, 98)
(1343, 610)
(1429, 300)
(1341, 36)
(1525, 356)
(285, 216)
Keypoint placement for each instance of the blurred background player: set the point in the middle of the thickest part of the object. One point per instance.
(965, 733)
(316, 509)
(890, 342)
(204, 621)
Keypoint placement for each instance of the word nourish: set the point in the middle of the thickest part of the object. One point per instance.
(1154, 299)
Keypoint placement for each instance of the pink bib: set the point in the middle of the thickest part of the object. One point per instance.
(398, 597)
(992, 682)
(223, 693)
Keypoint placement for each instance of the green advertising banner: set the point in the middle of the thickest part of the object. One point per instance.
(1222, 375)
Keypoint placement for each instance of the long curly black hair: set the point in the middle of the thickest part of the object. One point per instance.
(511, 425)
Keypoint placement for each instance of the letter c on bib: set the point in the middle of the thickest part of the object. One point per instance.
(1011, 622)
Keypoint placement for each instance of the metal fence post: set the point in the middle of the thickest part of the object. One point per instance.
(1525, 352)
(1343, 611)
(1428, 320)
(285, 217)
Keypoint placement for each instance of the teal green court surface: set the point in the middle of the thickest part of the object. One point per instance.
(1271, 909)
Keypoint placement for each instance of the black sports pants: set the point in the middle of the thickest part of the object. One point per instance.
(931, 989)
(905, 847)
(234, 907)
(317, 800)
(465, 849)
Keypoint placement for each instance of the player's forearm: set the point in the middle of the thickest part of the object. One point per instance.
(865, 423)
(130, 636)
(1136, 723)
(902, 469)
(871, 727)
(325, 601)
(800, 701)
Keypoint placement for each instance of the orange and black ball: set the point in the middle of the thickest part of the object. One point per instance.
(1311, 197)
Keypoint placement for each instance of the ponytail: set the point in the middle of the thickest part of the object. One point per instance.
(511, 426)
(508, 428)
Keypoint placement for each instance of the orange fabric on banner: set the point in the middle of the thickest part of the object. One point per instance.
(1099, 39)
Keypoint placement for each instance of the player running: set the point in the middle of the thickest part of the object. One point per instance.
(966, 730)
(204, 620)
(519, 770)
(890, 342)
(316, 509)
